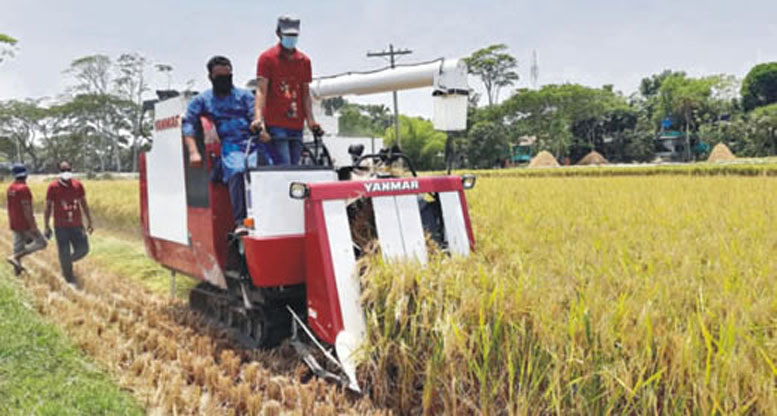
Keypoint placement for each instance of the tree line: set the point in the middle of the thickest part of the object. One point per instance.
(97, 123)
(571, 120)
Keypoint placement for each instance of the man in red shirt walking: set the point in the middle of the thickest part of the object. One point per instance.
(27, 239)
(282, 102)
(66, 197)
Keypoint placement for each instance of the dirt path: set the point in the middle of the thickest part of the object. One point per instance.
(167, 356)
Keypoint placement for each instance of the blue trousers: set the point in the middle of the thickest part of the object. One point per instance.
(286, 145)
(237, 196)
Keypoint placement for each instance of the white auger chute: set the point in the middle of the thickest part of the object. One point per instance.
(448, 77)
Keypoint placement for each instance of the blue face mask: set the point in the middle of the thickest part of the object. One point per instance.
(288, 42)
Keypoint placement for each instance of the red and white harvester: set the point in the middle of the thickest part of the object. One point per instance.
(296, 273)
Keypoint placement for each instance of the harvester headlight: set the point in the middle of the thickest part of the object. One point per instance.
(248, 223)
(299, 190)
(468, 181)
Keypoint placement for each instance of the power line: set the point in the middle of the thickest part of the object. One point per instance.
(391, 53)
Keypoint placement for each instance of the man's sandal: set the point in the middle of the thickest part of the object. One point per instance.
(17, 267)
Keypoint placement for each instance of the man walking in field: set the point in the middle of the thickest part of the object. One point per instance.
(283, 103)
(27, 239)
(67, 199)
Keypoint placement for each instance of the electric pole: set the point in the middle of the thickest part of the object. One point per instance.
(391, 53)
(535, 71)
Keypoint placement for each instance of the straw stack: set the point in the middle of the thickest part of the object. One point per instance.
(593, 158)
(544, 159)
(721, 153)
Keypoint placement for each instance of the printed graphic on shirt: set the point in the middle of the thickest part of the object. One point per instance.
(65, 199)
(69, 209)
(287, 77)
(290, 93)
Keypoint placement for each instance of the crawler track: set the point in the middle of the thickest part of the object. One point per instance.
(265, 325)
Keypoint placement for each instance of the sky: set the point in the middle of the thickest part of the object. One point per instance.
(593, 42)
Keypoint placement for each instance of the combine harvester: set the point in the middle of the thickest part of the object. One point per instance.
(297, 275)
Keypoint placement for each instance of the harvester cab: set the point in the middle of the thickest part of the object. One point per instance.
(297, 274)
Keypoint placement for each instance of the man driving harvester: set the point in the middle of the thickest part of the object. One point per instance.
(231, 110)
(283, 95)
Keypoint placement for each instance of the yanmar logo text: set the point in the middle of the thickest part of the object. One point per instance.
(391, 186)
(167, 123)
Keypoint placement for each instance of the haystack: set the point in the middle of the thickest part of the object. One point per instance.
(544, 159)
(721, 153)
(593, 158)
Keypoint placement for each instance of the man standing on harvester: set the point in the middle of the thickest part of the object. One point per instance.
(283, 95)
(231, 110)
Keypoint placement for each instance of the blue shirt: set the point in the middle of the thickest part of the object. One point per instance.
(232, 115)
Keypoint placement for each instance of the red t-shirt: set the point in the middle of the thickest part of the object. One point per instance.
(286, 75)
(18, 193)
(65, 197)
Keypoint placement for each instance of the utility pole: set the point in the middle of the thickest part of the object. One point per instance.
(391, 53)
(535, 70)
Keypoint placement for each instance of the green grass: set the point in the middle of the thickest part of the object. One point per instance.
(42, 372)
(127, 258)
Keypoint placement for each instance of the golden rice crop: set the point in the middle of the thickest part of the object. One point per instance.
(738, 167)
(587, 295)
(114, 203)
(592, 290)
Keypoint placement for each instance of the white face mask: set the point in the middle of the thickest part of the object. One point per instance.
(66, 176)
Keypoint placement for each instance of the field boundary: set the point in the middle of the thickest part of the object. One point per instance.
(704, 169)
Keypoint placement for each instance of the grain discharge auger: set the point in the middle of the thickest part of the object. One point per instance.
(297, 275)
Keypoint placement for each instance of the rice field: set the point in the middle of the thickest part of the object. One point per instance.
(114, 203)
(588, 294)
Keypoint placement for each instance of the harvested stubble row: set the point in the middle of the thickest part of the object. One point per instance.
(171, 360)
